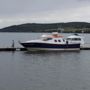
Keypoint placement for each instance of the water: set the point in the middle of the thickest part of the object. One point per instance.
(6, 38)
(43, 70)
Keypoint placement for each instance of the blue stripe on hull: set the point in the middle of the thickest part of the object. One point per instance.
(45, 45)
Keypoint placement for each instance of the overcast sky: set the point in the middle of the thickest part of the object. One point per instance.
(14, 12)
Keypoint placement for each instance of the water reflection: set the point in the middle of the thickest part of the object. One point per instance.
(50, 52)
(45, 70)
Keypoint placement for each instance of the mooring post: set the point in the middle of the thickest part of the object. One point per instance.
(13, 44)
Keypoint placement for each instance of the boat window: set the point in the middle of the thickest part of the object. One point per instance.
(49, 38)
(69, 38)
(46, 39)
(76, 39)
(55, 40)
(59, 40)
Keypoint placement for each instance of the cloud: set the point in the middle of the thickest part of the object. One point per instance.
(43, 11)
(83, 0)
(15, 7)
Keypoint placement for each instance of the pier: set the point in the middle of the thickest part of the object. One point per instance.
(13, 49)
(85, 47)
(24, 49)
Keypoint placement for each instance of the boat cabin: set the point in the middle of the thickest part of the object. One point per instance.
(54, 38)
(50, 42)
(75, 39)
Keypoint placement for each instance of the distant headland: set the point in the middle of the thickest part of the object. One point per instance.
(69, 27)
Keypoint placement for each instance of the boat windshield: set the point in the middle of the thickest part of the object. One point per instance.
(76, 39)
(46, 39)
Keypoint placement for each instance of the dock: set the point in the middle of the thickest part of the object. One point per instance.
(13, 49)
(85, 47)
(24, 49)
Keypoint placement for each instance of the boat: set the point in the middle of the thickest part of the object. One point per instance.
(76, 38)
(52, 42)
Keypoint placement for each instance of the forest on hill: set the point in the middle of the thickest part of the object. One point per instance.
(68, 27)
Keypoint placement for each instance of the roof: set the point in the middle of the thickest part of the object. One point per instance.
(53, 35)
(75, 36)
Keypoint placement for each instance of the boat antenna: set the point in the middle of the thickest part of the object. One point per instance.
(59, 28)
(82, 32)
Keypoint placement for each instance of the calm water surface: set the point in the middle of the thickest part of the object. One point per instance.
(42, 70)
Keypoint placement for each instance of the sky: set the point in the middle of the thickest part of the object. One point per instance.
(15, 12)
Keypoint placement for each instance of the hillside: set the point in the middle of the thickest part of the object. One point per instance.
(36, 27)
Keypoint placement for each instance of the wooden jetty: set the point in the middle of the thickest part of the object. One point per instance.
(13, 49)
(24, 49)
(85, 47)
